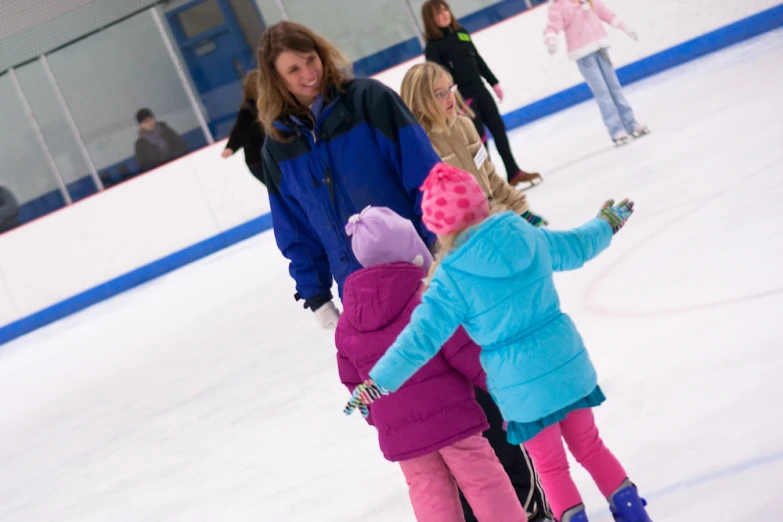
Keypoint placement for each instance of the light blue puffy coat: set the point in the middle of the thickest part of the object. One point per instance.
(498, 284)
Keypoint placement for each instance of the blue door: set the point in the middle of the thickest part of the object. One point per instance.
(218, 40)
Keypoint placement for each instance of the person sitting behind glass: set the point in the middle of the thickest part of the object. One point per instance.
(157, 142)
(9, 209)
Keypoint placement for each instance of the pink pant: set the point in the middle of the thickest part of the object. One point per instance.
(549, 457)
(480, 476)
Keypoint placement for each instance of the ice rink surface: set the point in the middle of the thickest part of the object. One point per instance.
(210, 395)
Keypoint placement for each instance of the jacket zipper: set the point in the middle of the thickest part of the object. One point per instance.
(332, 204)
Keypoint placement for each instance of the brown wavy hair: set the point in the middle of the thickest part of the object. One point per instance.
(418, 93)
(428, 10)
(275, 102)
(250, 88)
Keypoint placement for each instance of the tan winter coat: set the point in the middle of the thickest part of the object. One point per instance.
(458, 150)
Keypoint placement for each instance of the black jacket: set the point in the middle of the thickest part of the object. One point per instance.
(248, 134)
(456, 52)
(149, 156)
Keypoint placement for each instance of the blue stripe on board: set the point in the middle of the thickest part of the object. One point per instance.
(690, 50)
(387, 58)
(135, 278)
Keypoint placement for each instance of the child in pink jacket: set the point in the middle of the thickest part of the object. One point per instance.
(432, 426)
(587, 41)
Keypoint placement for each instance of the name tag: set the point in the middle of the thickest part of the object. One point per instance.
(464, 37)
(481, 156)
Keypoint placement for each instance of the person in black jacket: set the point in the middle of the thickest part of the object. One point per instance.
(158, 143)
(450, 45)
(248, 133)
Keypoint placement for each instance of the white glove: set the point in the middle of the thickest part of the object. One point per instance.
(327, 316)
(551, 44)
(630, 32)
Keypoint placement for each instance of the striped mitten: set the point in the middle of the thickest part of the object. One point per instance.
(616, 215)
(363, 395)
(533, 219)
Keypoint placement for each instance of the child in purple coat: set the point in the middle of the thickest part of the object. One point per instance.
(432, 426)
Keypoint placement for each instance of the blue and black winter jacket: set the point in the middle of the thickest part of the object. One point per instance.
(365, 148)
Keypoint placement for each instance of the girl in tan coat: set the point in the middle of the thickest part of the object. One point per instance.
(430, 93)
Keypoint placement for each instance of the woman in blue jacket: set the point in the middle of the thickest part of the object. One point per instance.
(335, 145)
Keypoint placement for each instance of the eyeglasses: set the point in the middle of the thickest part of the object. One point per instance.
(443, 95)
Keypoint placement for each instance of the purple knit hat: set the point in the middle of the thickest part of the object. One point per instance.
(380, 236)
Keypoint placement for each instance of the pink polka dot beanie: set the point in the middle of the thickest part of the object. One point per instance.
(453, 200)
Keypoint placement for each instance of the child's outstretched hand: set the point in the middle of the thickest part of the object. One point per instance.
(363, 395)
(534, 219)
(616, 215)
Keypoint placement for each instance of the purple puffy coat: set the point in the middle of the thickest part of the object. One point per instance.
(437, 406)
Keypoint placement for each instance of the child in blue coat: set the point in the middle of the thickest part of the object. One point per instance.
(494, 277)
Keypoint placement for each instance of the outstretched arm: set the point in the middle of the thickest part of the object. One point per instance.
(571, 249)
(608, 16)
(241, 130)
(605, 14)
(432, 323)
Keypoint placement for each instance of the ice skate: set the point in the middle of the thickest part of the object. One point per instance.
(575, 514)
(627, 506)
(621, 139)
(533, 178)
(640, 130)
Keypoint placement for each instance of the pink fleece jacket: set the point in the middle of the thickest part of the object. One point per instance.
(584, 30)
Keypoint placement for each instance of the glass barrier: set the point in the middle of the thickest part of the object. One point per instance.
(361, 29)
(24, 171)
(106, 79)
(54, 127)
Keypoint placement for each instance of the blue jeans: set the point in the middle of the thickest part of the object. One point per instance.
(599, 74)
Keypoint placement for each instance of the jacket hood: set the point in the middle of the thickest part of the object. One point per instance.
(503, 241)
(376, 296)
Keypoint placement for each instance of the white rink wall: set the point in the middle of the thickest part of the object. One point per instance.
(201, 195)
(112, 233)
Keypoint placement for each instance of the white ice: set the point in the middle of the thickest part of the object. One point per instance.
(210, 395)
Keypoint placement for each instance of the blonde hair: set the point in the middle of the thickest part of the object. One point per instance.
(431, 29)
(418, 93)
(445, 244)
(278, 102)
